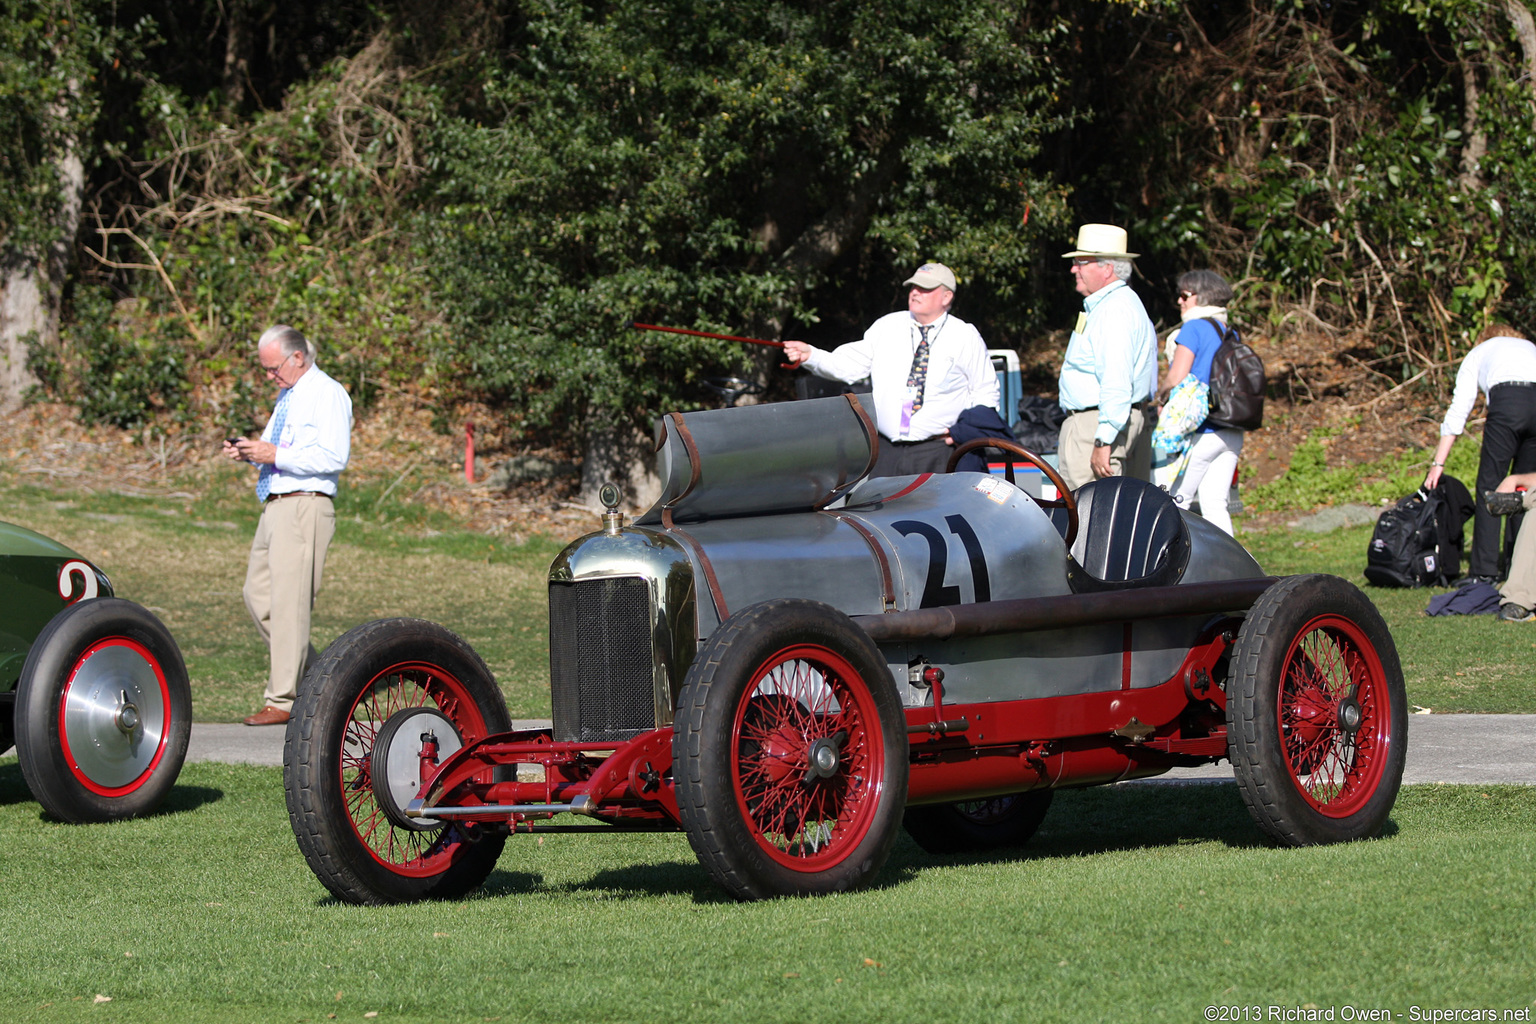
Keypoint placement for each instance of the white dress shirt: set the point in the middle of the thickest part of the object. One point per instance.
(317, 435)
(1495, 361)
(960, 373)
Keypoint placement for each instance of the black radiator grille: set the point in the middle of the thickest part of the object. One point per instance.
(600, 660)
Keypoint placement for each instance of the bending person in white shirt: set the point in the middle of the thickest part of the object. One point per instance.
(302, 451)
(925, 368)
(1503, 366)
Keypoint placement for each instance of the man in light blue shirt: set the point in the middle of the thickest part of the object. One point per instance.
(1110, 371)
(305, 446)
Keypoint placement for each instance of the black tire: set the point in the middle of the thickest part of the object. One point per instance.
(103, 712)
(349, 840)
(790, 753)
(1317, 714)
(971, 826)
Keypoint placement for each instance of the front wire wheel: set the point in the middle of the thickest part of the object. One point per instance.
(1317, 713)
(791, 753)
(358, 847)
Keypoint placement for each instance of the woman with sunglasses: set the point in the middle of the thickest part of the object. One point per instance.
(1203, 297)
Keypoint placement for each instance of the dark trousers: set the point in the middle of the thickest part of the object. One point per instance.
(930, 456)
(1509, 446)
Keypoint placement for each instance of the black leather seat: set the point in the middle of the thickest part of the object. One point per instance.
(1130, 534)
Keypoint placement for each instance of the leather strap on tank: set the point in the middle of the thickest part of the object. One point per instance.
(887, 588)
(695, 465)
(710, 580)
(870, 435)
(869, 431)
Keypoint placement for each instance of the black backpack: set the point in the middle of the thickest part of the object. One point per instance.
(1237, 382)
(1418, 542)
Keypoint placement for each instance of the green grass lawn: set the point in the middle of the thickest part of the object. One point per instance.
(1139, 902)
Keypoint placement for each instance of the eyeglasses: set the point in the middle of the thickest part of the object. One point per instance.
(1086, 261)
(273, 371)
(1187, 295)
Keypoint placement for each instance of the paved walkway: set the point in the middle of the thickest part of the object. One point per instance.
(1441, 748)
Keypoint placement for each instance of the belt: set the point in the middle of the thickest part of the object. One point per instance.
(904, 444)
(294, 494)
(1142, 405)
(1514, 384)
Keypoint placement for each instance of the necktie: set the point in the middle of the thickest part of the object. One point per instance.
(919, 367)
(264, 479)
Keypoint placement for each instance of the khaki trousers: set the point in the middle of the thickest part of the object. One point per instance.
(1130, 455)
(281, 581)
(1520, 586)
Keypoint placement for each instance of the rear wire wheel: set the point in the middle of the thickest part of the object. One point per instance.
(1317, 715)
(790, 753)
(969, 826)
(354, 843)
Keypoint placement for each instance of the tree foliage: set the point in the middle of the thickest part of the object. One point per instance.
(740, 176)
(473, 197)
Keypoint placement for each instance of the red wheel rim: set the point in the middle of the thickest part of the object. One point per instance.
(98, 736)
(809, 758)
(404, 851)
(1332, 680)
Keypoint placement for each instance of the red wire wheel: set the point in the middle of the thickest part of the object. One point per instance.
(1317, 713)
(362, 850)
(1334, 712)
(790, 753)
(808, 772)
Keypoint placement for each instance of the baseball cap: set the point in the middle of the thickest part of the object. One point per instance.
(931, 275)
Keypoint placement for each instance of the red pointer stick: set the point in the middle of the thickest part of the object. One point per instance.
(706, 334)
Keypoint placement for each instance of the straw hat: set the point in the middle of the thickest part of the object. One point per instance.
(1104, 240)
(931, 275)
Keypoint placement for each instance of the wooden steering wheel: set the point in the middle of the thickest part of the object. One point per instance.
(1066, 499)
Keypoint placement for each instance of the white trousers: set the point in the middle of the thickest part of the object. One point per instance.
(1208, 476)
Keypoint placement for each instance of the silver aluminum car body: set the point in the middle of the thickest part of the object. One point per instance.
(773, 501)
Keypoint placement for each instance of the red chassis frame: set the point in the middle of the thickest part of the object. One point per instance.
(958, 752)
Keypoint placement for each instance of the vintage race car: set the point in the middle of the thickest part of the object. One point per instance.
(93, 691)
(789, 661)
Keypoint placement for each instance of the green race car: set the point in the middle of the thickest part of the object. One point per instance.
(93, 690)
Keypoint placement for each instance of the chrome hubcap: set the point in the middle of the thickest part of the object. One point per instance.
(114, 715)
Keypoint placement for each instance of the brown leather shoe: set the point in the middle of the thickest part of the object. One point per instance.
(269, 715)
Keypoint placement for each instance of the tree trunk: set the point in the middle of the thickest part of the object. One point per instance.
(1474, 139)
(32, 285)
(237, 48)
(622, 455)
(1525, 31)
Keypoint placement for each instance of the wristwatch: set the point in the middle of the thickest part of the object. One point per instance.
(1100, 444)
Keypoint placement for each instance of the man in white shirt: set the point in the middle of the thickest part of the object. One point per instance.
(1502, 365)
(925, 368)
(1109, 374)
(302, 451)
